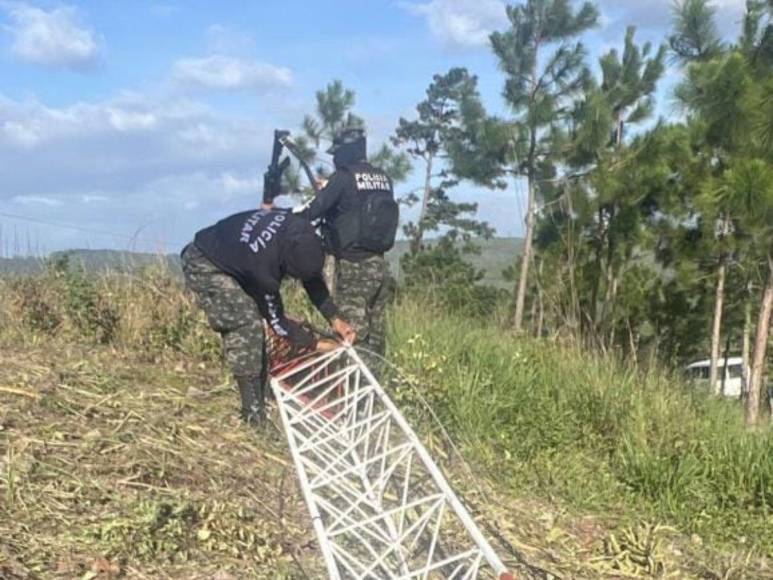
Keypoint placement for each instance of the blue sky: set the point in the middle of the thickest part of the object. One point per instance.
(131, 124)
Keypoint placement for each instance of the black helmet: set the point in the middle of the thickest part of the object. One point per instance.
(349, 147)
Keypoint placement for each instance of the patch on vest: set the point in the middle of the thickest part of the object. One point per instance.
(371, 182)
(258, 241)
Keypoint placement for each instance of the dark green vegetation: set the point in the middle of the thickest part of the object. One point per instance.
(550, 420)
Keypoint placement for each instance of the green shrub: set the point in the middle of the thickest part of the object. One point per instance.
(92, 313)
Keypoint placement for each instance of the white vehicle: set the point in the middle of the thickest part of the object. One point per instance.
(730, 377)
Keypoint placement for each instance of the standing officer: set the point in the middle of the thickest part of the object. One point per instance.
(360, 223)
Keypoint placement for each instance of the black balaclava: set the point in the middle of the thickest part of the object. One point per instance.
(349, 148)
(302, 255)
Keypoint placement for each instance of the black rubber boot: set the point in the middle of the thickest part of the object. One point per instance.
(253, 403)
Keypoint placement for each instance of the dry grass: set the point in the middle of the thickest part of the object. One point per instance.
(113, 465)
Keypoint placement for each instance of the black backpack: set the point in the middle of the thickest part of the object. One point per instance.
(379, 217)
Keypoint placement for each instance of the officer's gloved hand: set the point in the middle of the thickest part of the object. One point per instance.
(272, 186)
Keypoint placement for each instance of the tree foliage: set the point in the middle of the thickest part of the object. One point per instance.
(428, 138)
(333, 114)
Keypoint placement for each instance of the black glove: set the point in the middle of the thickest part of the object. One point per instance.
(272, 185)
(300, 335)
(272, 181)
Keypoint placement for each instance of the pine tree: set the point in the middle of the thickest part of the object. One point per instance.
(333, 114)
(695, 41)
(622, 98)
(695, 37)
(727, 94)
(544, 70)
(748, 184)
(425, 138)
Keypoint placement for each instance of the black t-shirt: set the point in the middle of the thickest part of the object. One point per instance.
(338, 202)
(249, 246)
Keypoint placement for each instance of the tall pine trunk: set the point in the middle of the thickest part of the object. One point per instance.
(716, 325)
(523, 278)
(571, 262)
(760, 347)
(746, 343)
(419, 236)
(719, 300)
(594, 296)
(606, 319)
(615, 283)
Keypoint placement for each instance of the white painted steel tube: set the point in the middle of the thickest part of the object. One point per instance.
(316, 518)
(437, 476)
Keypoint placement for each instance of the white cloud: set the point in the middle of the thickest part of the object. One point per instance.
(461, 23)
(468, 23)
(36, 199)
(235, 184)
(168, 165)
(226, 73)
(122, 143)
(122, 119)
(25, 134)
(30, 124)
(656, 15)
(93, 198)
(54, 38)
(150, 215)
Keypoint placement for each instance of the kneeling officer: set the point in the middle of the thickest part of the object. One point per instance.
(236, 267)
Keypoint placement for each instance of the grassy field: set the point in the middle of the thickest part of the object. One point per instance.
(591, 432)
(121, 455)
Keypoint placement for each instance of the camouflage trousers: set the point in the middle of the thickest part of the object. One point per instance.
(230, 312)
(363, 291)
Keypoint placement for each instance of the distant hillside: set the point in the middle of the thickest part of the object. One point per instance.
(496, 255)
(92, 261)
(21, 265)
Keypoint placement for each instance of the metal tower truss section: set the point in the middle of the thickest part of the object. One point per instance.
(380, 506)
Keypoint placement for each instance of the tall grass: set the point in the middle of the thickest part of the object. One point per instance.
(541, 418)
(562, 423)
(147, 311)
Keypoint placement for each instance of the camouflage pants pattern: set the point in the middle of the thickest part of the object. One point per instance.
(230, 312)
(363, 291)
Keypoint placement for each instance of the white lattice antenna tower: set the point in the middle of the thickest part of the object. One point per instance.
(381, 507)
